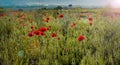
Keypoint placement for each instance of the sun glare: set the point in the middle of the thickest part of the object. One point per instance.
(115, 3)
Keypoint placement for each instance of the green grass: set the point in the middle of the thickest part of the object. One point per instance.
(100, 47)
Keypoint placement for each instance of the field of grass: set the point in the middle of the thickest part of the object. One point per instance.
(65, 37)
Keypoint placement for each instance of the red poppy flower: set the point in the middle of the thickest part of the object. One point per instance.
(43, 29)
(32, 27)
(42, 33)
(90, 19)
(39, 33)
(30, 34)
(67, 49)
(58, 38)
(61, 15)
(60, 30)
(81, 38)
(35, 32)
(91, 23)
(2, 15)
(73, 24)
(47, 19)
(54, 34)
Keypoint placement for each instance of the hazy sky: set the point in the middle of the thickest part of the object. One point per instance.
(54, 2)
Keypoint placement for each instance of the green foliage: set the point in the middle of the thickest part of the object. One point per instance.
(58, 8)
(20, 10)
(70, 5)
(100, 47)
(6, 28)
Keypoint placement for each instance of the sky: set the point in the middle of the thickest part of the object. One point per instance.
(53, 2)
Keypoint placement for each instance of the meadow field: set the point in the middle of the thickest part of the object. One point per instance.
(60, 37)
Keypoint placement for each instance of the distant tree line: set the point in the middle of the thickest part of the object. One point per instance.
(44, 8)
(59, 7)
(1, 10)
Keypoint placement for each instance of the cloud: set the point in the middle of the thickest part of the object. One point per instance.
(36, 3)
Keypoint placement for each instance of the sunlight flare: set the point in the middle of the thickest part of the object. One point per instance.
(115, 3)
